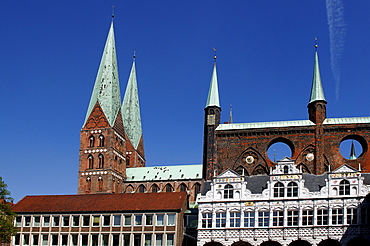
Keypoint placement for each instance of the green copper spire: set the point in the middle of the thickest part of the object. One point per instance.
(131, 110)
(213, 98)
(106, 89)
(317, 93)
(352, 155)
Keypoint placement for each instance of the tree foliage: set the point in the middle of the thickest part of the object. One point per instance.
(7, 216)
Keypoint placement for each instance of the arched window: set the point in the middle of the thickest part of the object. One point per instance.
(228, 191)
(141, 189)
(101, 141)
(88, 185)
(100, 183)
(91, 141)
(101, 161)
(155, 188)
(279, 190)
(91, 161)
(292, 189)
(196, 189)
(344, 187)
(183, 187)
(168, 188)
(127, 161)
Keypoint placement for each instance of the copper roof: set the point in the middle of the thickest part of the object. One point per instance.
(101, 202)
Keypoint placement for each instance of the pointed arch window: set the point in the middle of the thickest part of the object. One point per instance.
(88, 185)
(344, 187)
(155, 188)
(91, 141)
(168, 188)
(101, 161)
(196, 189)
(292, 189)
(90, 159)
(141, 189)
(183, 187)
(101, 141)
(228, 191)
(279, 190)
(100, 184)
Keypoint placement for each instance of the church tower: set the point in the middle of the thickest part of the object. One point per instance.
(102, 161)
(132, 121)
(212, 114)
(317, 114)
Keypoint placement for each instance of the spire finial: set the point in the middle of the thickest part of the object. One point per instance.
(214, 57)
(231, 114)
(316, 45)
(112, 11)
(134, 54)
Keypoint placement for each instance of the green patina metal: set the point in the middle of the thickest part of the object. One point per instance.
(213, 98)
(317, 93)
(131, 110)
(106, 89)
(163, 173)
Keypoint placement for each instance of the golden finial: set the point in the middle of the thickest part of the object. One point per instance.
(316, 45)
(134, 54)
(112, 11)
(214, 57)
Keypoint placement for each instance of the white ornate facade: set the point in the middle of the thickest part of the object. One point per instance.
(287, 207)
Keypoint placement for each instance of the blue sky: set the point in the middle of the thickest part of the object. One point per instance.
(50, 52)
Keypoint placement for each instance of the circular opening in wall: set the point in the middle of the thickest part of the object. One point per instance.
(278, 151)
(351, 148)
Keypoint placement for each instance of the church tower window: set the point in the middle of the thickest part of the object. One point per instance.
(100, 183)
(101, 161)
(91, 141)
(101, 141)
(91, 161)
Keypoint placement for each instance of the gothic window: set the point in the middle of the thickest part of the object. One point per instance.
(337, 216)
(101, 161)
(127, 161)
(307, 217)
(100, 183)
(168, 188)
(101, 141)
(322, 217)
(234, 219)
(91, 141)
(344, 187)
(155, 188)
(207, 220)
(278, 218)
(141, 189)
(129, 189)
(352, 216)
(279, 190)
(292, 189)
(292, 218)
(183, 187)
(248, 219)
(196, 189)
(91, 161)
(88, 184)
(220, 219)
(228, 191)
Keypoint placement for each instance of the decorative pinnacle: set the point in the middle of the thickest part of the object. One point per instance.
(316, 45)
(134, 54)
(112, 11)
(214, 57)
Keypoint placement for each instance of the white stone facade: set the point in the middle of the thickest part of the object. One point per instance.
(285, 208)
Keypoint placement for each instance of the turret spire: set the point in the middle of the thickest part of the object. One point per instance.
(131, 109)
(213, 98)
(317, 93)
(231, 115)
(352, 155)
(106, 90)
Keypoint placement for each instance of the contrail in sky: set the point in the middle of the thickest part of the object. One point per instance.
(337, 32)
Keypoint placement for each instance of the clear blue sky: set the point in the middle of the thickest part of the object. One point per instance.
(50, 52)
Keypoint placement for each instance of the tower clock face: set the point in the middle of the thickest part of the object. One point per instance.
(310, 157)
(249, 159)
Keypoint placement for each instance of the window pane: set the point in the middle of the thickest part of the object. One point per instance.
(96, 220)
(65, 220)
(160, 219)
(170, 239)
(26, 239)
(171, 219)
(126, 240)
(159, 239)
(64, 240)
(106, 220)
(148, 240)
(117, 220)
(27, 220)
(149, 219)
(84, 240)
(46, 221)
(138, 219)
(105, 238)
(76, 221)
(74, 240)
(45, 239)
(35, 239)
(127, 220)
(94, 240)
(36, 221)
(115, 240)
(86, 220)
(55, 221)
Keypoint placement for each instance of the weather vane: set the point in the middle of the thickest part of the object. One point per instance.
(214, 57)
(316, 45)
